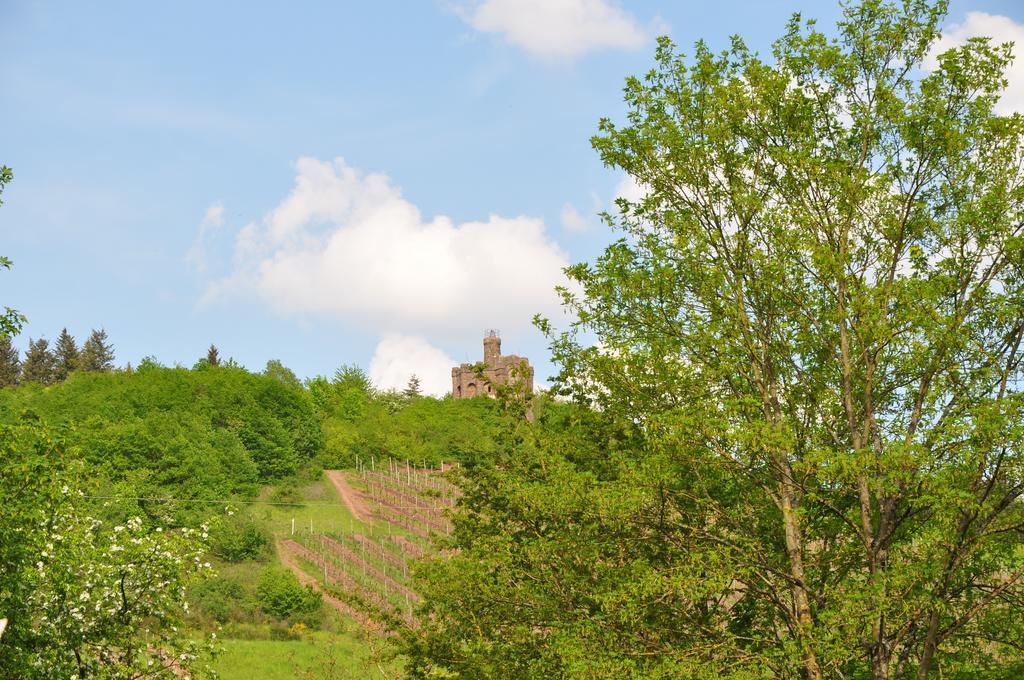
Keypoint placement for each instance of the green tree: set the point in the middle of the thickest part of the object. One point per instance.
(815, 317)
(97, 353)
(10, 362)
(39, 362)
(353, 392)
(275, 369)
(412, 389)
(65, 355)
(213, 356)
(350, 376)
(11, 321)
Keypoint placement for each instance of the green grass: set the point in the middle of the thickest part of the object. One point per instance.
(322, 506)
(317, 655)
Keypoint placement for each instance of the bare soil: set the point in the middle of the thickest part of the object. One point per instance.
(354, 501)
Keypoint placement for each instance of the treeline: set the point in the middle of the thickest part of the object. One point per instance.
(218, 430)
(174, 434)
(45, 366)
(361, 423)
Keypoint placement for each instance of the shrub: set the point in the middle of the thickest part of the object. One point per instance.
(288, 494)
(281, 595)
(223, 598)
(239, 538)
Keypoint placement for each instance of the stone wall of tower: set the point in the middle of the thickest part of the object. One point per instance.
(492, 348)
(498, 370)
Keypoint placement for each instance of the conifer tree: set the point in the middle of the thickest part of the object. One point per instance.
(97, 354)
(412, 389)
(213, 356)
(65, 354)
(39, 362)
(10, 363)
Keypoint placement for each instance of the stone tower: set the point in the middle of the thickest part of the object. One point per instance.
(510, 369)
(492, 348)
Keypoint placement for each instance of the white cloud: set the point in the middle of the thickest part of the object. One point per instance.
(1001, 29)
(572, 219)
(558, 29)
(212, 222)
(348, 245)
(400, 356)
(629, 189)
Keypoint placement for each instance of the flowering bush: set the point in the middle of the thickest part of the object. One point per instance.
(88, 598)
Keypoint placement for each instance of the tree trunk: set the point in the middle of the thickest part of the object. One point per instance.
(930, 643)
(794, 548)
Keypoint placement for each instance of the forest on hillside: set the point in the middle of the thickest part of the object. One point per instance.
(786, 437)
(180, 462)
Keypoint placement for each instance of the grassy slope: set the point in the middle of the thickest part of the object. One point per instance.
(342, 650)
(318, 655)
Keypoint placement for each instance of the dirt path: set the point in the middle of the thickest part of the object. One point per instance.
(354, 500)
(288, 560)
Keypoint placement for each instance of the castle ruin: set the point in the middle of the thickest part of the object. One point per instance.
(510, 369)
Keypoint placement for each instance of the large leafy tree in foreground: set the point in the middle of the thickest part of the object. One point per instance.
(815, 320)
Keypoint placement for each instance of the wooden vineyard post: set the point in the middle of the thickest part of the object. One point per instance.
(323, 552)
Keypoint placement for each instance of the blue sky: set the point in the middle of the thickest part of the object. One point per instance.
(328, 183)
